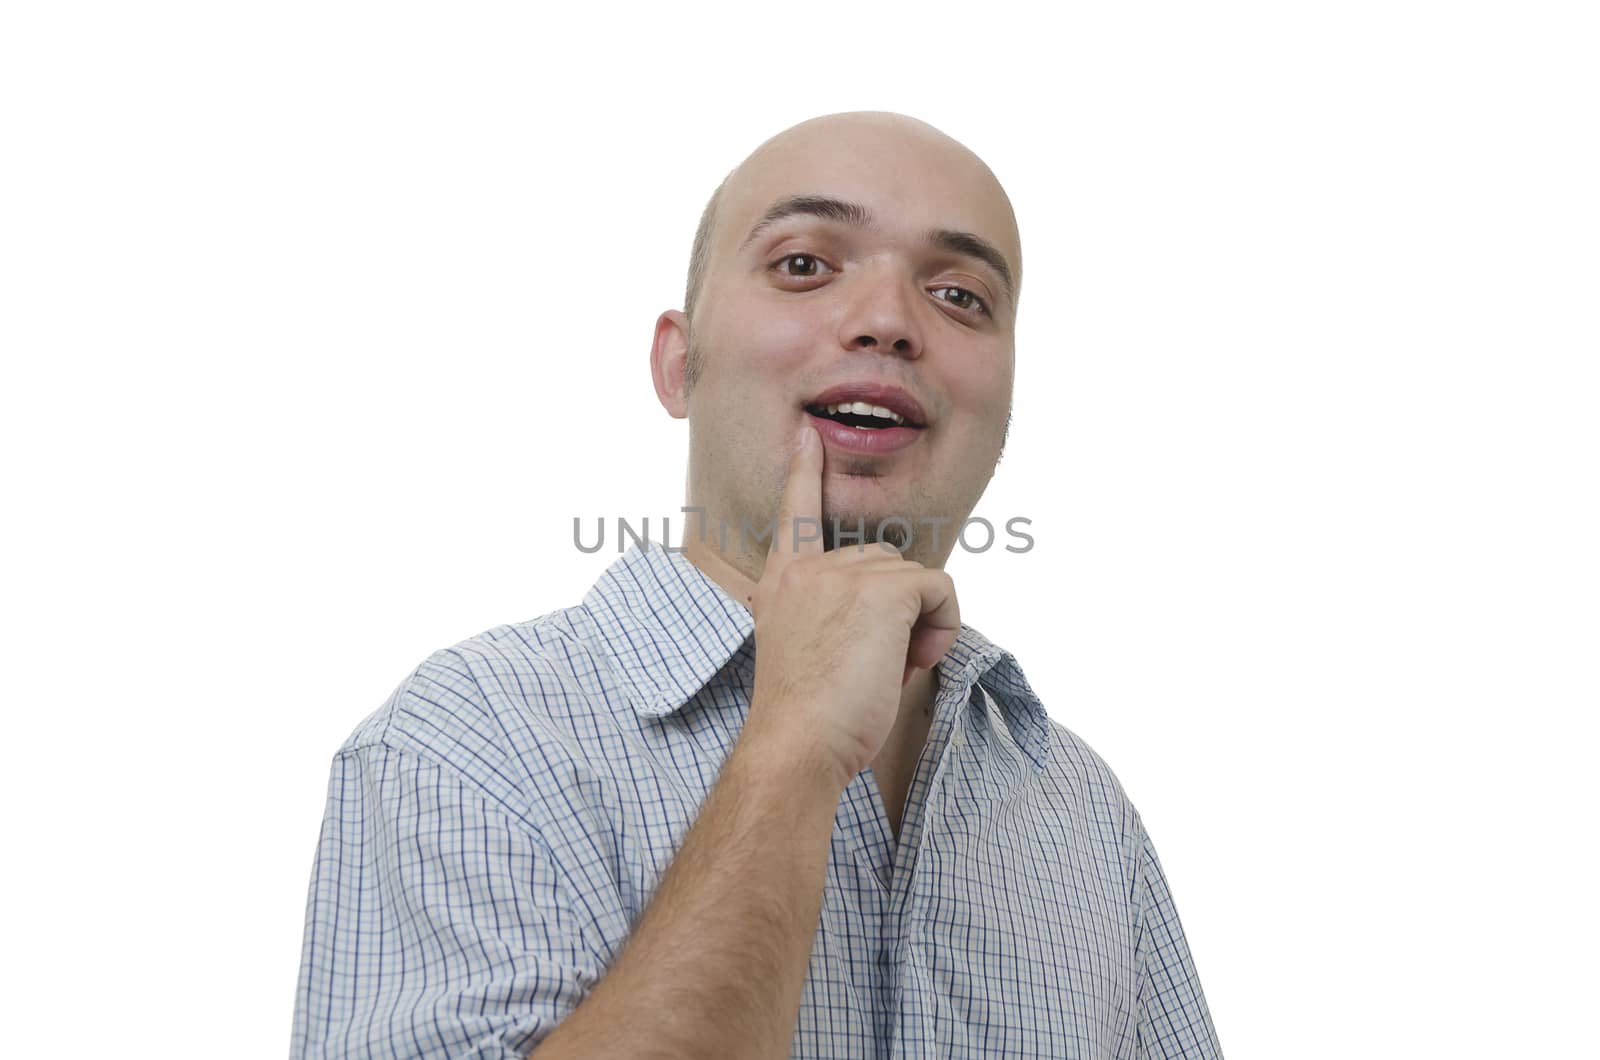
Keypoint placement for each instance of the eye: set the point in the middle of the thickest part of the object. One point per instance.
(809, 259)
(982, 307)
(808, 263)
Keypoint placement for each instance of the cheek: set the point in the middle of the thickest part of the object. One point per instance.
(758, 344)
(779, 335)
(986, 391)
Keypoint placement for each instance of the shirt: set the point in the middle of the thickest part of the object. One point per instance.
(495, 829)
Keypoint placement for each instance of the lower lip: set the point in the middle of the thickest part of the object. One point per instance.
(863, 440)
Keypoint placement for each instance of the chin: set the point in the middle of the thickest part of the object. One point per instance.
(867, 527)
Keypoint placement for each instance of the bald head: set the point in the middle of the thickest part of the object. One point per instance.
(850, 249)
(843, 136)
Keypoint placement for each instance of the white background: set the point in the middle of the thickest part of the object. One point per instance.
(322, 321)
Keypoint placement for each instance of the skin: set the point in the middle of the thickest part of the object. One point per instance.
(771, 332)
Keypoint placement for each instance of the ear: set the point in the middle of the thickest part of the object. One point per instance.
(669, 354)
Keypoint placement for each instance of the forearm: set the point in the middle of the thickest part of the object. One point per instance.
(716, 963)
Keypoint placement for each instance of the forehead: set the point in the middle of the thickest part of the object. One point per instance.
(907, 180)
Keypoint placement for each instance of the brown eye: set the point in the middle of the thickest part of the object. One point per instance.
(806, 258)
(973, 301)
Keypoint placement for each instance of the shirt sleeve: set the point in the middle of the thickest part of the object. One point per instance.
(437, 924)
(1173, 1018)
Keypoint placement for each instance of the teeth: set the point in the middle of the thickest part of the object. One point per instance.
(861, 408)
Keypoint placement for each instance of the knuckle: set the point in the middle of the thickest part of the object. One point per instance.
(881, 589)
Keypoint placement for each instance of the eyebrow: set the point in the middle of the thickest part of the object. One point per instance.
(855, 215)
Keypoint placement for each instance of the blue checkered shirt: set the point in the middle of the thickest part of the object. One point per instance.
(496, 827)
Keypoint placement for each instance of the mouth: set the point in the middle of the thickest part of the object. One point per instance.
(862, 416)
(868, 407)
(866, 419)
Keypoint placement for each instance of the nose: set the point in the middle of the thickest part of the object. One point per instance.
(881, 314)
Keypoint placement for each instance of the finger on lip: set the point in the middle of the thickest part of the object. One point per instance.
(798, 528)
(881, 441)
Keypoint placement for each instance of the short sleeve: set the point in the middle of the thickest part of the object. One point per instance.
(1173, 1018)
(437, 924)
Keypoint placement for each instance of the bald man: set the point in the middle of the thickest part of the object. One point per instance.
(766, 795)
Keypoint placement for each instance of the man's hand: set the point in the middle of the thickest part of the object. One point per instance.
(839, 633)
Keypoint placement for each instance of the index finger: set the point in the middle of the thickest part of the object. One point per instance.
(798, 529)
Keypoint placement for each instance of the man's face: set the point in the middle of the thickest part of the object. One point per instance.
(812, 307)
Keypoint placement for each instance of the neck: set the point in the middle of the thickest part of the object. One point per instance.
(732, 571)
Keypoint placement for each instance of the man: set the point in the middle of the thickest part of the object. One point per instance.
(768, 796)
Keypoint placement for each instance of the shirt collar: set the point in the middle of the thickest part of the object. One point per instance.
(670, 628)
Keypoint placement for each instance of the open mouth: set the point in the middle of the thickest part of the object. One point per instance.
(861, 415)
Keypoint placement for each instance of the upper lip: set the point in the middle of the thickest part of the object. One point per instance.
(890, 397)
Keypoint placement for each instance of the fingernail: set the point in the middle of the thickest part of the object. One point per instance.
(805, 439)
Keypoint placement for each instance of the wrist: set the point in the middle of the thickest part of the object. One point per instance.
(792, 761)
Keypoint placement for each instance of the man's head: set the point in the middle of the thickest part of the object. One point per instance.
(895, 267)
